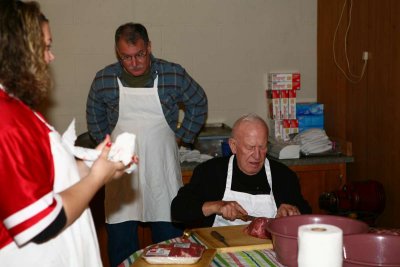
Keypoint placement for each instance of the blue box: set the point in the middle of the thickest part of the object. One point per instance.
(309, 109)
(311, 120)
(302, 129)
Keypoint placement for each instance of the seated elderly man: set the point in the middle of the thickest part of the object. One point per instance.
(224, 190)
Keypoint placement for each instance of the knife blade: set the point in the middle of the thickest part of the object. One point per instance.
(247, 218)
(219, 237)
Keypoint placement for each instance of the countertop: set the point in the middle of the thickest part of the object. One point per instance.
(315, 160)
(311, 160)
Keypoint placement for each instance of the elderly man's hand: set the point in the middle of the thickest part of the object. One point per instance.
(287, 210)
(229, 210)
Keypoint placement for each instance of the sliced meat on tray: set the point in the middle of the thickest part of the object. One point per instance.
(174, 253)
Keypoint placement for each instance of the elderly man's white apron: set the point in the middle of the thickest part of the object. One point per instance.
(257, 205)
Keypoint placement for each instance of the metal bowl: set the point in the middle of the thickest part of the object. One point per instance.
(371, 250)
(284, 232)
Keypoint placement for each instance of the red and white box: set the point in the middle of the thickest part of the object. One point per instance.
(275, 129)
(292, 105)
(286, 130)
(294, 126)
(284, 85)
(284, 77)
(273, 102)
(280, 130)
(284, 99)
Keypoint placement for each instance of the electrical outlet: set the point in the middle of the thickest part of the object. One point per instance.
(365, 55)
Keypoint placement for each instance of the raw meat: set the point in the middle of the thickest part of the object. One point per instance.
(174, 253)
(258, 228)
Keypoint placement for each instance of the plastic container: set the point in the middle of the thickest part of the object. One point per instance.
(226, 149)
(211, 138)
(284, 231)
(371, 250)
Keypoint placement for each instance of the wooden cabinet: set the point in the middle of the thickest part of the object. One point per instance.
(186, 175)
(144, 233)
(316, 179)
(319, 174)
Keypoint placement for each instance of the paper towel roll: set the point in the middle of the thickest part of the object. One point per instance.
(320, 245)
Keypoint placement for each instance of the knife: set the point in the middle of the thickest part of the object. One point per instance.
(247, 218)
(219, 237)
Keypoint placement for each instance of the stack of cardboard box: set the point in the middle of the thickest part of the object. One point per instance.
(281, 101)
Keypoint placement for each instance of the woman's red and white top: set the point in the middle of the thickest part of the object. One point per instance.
(34, 167)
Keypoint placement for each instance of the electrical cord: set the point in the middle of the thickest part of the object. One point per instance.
(355, 78)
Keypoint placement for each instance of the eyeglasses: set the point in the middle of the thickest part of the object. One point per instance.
(139, 56)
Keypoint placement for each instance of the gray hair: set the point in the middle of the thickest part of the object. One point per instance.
(250, 117)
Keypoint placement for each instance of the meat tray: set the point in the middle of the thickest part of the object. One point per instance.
(205, 260)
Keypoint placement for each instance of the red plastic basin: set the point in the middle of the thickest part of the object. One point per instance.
(284, 232)
(371, 250)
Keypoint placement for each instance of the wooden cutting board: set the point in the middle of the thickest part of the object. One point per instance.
(234, 236)
(205, 260)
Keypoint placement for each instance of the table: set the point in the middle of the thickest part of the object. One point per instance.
(264, 257)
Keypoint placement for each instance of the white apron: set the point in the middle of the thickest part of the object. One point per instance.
(77, 245)
(257, 205)
(145, 194)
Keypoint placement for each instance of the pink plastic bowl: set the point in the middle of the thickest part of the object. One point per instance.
(284, 232)
(371, 250)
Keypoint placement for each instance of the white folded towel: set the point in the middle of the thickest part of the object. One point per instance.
(194, 155)
(313, 141)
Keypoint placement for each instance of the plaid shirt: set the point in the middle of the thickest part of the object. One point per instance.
(175, 86)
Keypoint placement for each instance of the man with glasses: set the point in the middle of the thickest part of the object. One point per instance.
(222, 191)
(142, 94)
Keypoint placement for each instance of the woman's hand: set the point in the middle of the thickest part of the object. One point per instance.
(103, 168)
(77, 197)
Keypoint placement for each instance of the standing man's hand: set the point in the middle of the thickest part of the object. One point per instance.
(178, 141)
